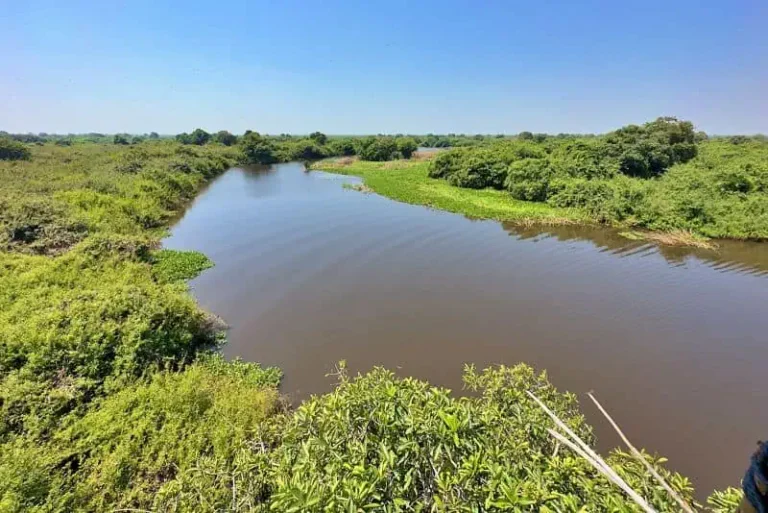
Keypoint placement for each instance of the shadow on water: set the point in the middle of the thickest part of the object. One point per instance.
(730, 256)
(672, 340)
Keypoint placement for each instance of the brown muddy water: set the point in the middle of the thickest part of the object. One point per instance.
(673, 341)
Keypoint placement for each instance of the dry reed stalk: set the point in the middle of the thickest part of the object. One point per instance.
(686, 507)
(592, 457)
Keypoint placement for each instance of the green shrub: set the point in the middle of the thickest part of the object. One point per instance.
(528, 179)
(406, 146)
(378, 443)
(257, 149)
(97, 321)
(376, 148)
(188, 441)
(13, 150)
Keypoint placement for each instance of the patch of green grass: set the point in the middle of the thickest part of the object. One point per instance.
(407, 181)
(171, 265)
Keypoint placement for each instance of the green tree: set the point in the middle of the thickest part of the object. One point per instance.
(120, 139)
(319, 137)
(154, 135)
(199, 137)
(406, 146)
(225, 138)
(376, 148)
(525, 136)
(258, 149)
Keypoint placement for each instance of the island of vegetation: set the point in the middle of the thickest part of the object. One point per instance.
(113, 396)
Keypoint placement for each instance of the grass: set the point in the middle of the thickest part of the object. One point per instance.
(407, 181)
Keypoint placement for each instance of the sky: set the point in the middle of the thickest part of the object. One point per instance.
(353, 67)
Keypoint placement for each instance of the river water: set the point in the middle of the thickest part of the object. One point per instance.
(673, 342)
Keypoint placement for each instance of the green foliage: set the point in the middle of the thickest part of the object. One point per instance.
(659, 176)
(79, 325)
(319, 138)
(171, 265)
(378, 443)
(726, 501)
(376, 148)
(258, 149)
(225, 138)
(199, 137)
(406, 146)
(187, 441)
(342, 147)
(529, 179)
(120, 139)
(300, 149)
(649, 150)
(64, 193)
(13, 150)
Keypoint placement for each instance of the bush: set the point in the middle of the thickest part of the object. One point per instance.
(98, 322)
(183, 441)
(406, 146)
(480, 171)
(649, 150)
(376, 148)
(225, 138)
(257, 149)
(528, 179)
(379, 443)
(318, 137)
(342, 147)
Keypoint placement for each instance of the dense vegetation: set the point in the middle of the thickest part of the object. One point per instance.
(659, 176)
(111, 396)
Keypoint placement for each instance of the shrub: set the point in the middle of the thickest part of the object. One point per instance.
(376, 148)
(379, 443)
(225, 138)
(193, 440)
(649, 150)
(318, 137)
(528, 179)
(342, 147)
(257, 149)
(406, 146)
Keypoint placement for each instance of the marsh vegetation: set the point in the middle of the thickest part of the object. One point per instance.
(112, 395)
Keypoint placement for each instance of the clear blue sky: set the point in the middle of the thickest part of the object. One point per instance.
(369, 66)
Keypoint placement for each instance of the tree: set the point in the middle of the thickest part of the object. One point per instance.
(154, 135)
(406, 146)
(649, 150)
(120, 139)
(257, 149)
(184, 138)
(225, 138)
(319, 137)
(525, 136)
(13, 150)
(376, 148)
(200, 137)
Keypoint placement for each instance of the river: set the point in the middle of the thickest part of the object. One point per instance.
(673, 342)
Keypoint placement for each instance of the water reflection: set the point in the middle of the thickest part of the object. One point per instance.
(730, 256)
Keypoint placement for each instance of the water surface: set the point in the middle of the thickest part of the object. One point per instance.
(672, 341)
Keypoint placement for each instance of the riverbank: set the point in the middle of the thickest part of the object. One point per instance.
(408, 181)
